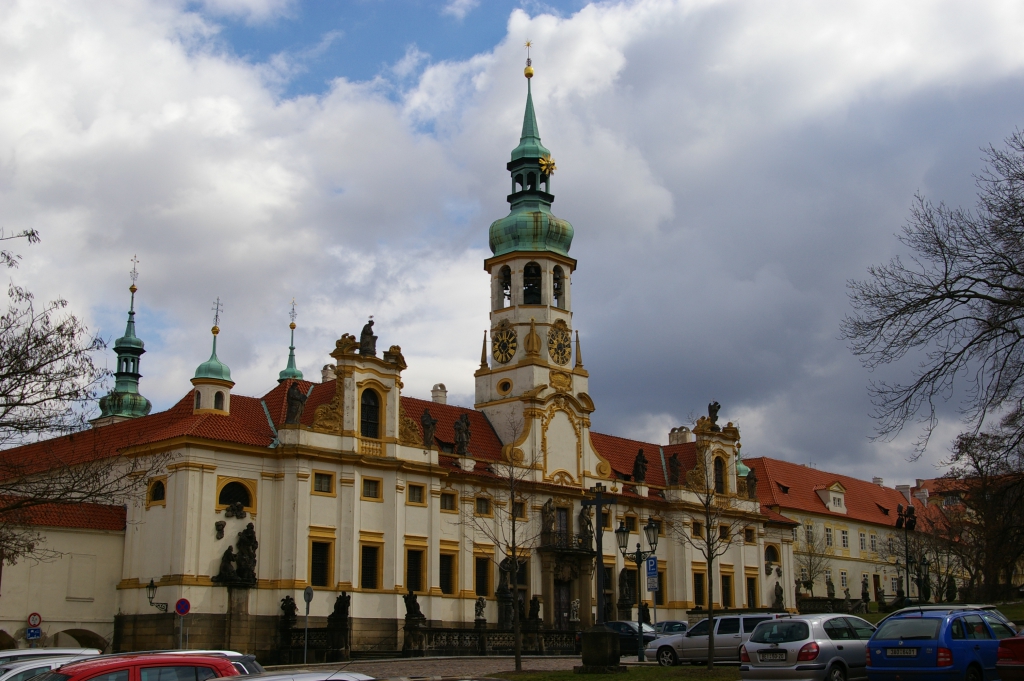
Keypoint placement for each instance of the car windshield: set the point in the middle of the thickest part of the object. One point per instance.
(699, 629)
(780, 631)
(52, 676)
(910, 628)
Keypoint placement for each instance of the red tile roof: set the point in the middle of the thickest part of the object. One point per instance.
(483, 442)
(82, 516)
(865, 501)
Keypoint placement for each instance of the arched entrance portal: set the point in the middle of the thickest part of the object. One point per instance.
(79, 638)
(6, 641)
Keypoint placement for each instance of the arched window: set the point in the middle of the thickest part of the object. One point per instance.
(157, 491)
(506, 286)
(234, 492)
(218, 401)
(558, 287)
(199, 400)
(531, 181)
(518, 186)
(771, 555)
(719, 476)
(531, 284)
(369, 416)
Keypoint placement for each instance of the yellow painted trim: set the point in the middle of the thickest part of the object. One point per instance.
(321, 539)
(250, 485)
(408, 494)
(322, 531)
(415, 545)
(380, 562)
(454, 553)
(370, 536)
(455, 503)
(162, 479)
(312, 485)
(380, 490)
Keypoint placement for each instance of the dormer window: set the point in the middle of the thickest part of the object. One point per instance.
(837, 502)
(833, 497)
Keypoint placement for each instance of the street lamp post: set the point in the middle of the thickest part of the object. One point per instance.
(906, 519)
(151, 594)
(638, 557)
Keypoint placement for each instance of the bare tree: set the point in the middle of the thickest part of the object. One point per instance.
(813, 556)
(705, 529)
(48, 383)
(507, 527)
(956, 305)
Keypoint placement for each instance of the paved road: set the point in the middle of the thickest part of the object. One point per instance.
(451, 666)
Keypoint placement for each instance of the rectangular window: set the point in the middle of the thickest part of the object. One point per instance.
(320, 564)
(803, 574)
(323, 483)
(845, 537)
(483, 506)
(837, 502)
(748, 535)
(863, 542)
(828, 536)
(723, 532)
(631, 576)
(417, 495)
(448, 502)
(843, 579)
(482, 578)
(794, 534)
(371, 488)
(828, 574)
(414, 569)
(630, 521)
(874, 542)
(726, 591)
(659, 595)
(892, 545)
(698, 589)
(698, 531)
(447, 581)
(369, 567)
(606, 520)
(809, 533)
(519, 510)
(895, 584)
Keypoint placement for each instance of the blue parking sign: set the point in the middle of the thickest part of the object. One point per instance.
(33, 633)
(652, 566)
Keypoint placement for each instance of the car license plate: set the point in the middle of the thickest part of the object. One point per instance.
(779, 656)
(901, 652)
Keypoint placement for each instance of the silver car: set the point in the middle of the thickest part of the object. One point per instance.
(820, 647)
(730, 633)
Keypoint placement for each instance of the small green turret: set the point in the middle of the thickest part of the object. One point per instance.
(530, 226)
(124, 401)
(290, 371)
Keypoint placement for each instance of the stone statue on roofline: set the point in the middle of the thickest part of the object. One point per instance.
(713, 417)
(367, 341)
(296, 400)
(675, 469)
(640, 467)
(752, 484)
(462, 435)
(429, 424)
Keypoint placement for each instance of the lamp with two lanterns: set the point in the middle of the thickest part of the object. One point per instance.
(638, 557)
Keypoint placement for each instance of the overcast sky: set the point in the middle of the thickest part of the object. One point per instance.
(727, 166)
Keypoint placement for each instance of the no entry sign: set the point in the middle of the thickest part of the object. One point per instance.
(182, 606)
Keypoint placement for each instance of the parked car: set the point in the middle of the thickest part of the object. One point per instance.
(1010, 659)
(325, 675)
(826, 646)
(628, 636)
(671, 627)
(730, 633)
(18, 654)
(34, 665)
(144, 667)
(937, 607)
(936, 645)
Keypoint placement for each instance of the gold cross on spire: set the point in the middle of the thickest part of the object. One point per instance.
(528, 71)
(292, 315)
(217, 309)
(134, 274)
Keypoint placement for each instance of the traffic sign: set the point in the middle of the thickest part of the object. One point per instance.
(35, 619)
(182, 607)
(652, 566)
(33, 633)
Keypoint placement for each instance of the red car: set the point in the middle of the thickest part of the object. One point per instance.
(144, 667)
(1010, 659)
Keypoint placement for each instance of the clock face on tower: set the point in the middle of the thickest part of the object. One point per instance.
(559, 344)
(504, 344)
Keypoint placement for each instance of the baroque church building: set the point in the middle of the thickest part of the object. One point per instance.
(345, 484)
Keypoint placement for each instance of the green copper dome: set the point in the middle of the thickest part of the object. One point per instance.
(741, 469)
(213, 367)
(124, 400)
(530, 226)
(290, 371)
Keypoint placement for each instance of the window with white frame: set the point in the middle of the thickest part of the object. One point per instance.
(803, 574)
(828, 536)
(863, 542)
(874, 542)
(828, 574)
(794, 534)
(837, 502)
(843, 579)
(894, 582)
(809, 533)
(844, 537)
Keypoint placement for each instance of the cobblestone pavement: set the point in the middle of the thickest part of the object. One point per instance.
(451, 666)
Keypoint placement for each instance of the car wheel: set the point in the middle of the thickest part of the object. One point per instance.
(836, 673)
(973, 674)
(667, 657)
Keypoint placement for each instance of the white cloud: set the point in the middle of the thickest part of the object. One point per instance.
(727, 166)
(460, 8)
(252, 11)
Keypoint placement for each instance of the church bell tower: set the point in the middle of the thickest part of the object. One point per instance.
(531, 339)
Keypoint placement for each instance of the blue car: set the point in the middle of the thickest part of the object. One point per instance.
(955, 644)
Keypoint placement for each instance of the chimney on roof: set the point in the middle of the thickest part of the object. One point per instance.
(919, 482)
(904, 490)
(680, 436)
(327, 373)
(922, 496)
(877, 481)
(439, 393)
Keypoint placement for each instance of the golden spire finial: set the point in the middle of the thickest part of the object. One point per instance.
(217, 307)
(134, 274)
(528, 71)
(293, 314)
